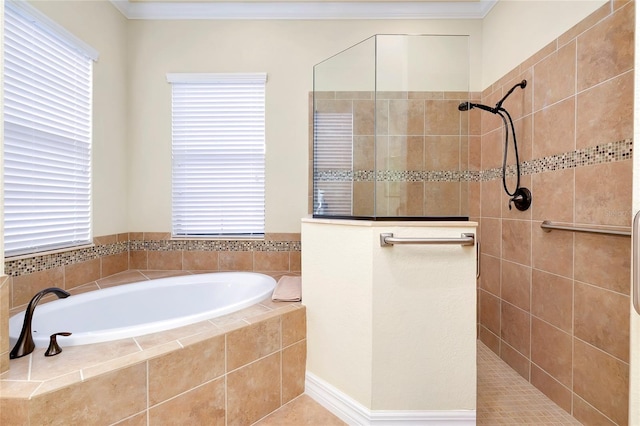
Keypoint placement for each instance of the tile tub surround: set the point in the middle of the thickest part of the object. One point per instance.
(277, 254)
(555, 306)
(232, 370)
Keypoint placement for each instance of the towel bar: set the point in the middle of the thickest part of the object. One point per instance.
(387, 239)
(548, 226)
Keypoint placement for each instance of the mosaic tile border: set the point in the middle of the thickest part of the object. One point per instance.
(30, 265)
(605, 153)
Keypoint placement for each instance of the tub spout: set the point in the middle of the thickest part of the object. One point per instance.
(24, 345)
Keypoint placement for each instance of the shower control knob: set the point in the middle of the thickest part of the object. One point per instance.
(54, 348)
(521, 199)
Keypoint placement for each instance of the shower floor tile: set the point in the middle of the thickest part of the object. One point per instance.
(504, 398)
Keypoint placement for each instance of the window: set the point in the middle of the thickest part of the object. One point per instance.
(47, 125)
(333, 163)
(218, 154)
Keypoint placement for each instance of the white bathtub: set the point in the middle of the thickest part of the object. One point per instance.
(146, 307)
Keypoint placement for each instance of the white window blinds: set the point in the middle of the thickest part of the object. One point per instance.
(47, 146)
(333, 158)
(218, 151)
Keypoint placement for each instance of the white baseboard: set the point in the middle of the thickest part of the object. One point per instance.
(354, 413)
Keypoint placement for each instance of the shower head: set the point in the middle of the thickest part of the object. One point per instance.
(466, 106)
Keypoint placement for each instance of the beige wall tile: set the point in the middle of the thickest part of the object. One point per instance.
(363, 117)
(407, 117)
(490, 276)
(184, 369)
(606, 50)
(136, 420)
(294, 359)
(491, 236)
(14, 411)
(492, 147)
(252, 342)
(202, 405)
(294, 326)
(235, 261)
(514, 328)
(516, 241)
(24, 287)
(156, 236)
(363, 198)
(552, 251)
(364, 152)
(105, 239)
(200, 260)
(114, 264)
(516, 285)
(442, 117)
(295, 261)
(491, 205)
(555, 77)
(549, 386)
(382, 118)
(440, 198)
(612, 103)
(164, 260)
(406, 153)
(586, 414)
(254, 391)
(473, 196)
(490, 312)
(104, 399)
(554, 129)
(271, 261)
(552, 299)
(138, 259)
(551, 350)
(603, 194)
(602, 381)
(344, 106)
(81, 273)
(515, 360)
(554, 195)
(489, 339)
(603, 261)
(609, 330)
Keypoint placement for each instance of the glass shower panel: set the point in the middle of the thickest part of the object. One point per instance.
(343, 95)
(389, 140)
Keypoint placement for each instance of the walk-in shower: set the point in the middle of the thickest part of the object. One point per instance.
(389, 141)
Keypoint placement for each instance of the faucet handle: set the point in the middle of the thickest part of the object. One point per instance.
(54, 348)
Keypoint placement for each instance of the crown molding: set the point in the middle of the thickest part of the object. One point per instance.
(305, 10)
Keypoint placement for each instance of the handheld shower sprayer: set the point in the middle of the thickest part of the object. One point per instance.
(520, 197)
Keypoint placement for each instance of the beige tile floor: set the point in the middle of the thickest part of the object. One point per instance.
(504, 398)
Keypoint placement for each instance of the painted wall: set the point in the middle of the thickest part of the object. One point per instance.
(514, 30)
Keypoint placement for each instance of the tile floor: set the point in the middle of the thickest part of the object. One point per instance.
(504, 398)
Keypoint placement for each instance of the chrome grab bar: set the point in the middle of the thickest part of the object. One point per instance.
(478, 260)
(387, 239)
(548, 226)
(635, 257)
